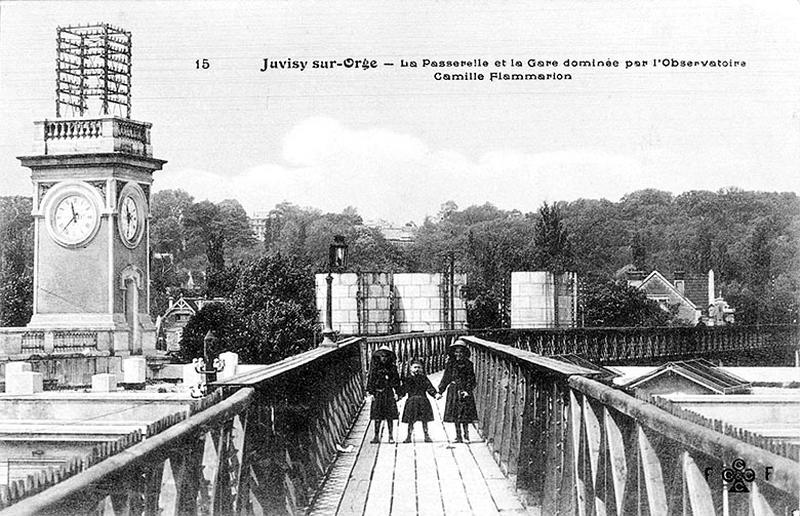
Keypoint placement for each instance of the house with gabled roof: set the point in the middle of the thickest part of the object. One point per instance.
(670, 294)
(696, 376)
(177, 316)
(692, 295)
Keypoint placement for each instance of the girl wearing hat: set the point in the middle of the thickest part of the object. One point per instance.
(459, 380)
(382, 384)
(418, 406)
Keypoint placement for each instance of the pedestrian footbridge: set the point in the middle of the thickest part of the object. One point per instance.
(437, 478)
(553, 436)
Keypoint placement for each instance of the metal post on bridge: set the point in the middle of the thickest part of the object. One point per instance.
(207, 367)
(337, 260)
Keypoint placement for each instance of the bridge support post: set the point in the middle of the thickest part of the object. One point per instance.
(328, 335)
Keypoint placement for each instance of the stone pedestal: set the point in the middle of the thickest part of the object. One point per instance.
(17, 367)
(134, 370)
(191, 378)
(104, 382)
(231, 361)
(25, 382)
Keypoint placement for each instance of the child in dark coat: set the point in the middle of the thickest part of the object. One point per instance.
(383, 384)
(459, 380)
(418, 407)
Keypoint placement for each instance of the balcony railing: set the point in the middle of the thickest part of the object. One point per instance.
(90, 135)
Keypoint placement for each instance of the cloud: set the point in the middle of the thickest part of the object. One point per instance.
(397, 177)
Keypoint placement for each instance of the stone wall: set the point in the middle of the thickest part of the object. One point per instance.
(532, 300)
(382, 303)
(422, 302)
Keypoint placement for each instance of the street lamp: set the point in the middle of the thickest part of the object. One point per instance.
(337, 260)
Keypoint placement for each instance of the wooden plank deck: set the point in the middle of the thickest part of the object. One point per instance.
(438, 479)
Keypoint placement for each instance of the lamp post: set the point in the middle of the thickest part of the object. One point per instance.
(337, 260)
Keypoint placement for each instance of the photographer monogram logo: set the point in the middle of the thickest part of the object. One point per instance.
(738, 475)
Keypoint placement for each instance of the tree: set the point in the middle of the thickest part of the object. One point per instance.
(224, 321)
(168, 246)
(205, 229)
(16, 261)
(615, 304)
(638, 252)
(494, 249)
(217, 229)
(238, 232)
(272, 314)
(166, 229)
(553, 249)
(275, 300)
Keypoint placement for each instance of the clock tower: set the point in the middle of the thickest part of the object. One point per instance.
(92, 177)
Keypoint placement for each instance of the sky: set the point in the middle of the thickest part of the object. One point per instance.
(396, 143)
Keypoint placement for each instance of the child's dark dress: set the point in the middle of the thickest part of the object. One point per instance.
(382, 382)
(460, 403)
(417, 407)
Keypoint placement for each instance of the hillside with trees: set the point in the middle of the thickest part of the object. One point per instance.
(750, 239)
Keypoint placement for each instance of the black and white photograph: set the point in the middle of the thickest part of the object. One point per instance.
(400, 258)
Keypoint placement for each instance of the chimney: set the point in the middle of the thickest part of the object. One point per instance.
(711, 297)
(679, 280)
(635, 278)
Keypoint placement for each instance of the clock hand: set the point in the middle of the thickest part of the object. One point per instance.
(68, 223)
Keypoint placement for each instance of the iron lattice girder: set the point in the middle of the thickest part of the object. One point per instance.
(93, 62)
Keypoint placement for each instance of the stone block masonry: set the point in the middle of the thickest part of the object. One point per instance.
(533, 300)
(382, 303)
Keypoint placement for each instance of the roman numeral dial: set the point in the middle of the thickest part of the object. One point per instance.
(73, 219)
(131, 215)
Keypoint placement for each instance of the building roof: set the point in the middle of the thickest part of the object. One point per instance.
(695, 288)
(191, 305)
(656, 283)
(701, 372)
(398, 234)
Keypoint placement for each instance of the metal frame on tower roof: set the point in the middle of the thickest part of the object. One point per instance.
(93, 70)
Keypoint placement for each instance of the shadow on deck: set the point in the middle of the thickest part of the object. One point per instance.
(438, 478)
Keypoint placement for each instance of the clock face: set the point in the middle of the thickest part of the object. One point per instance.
(131, 215)
(74, 219)
(129, 220)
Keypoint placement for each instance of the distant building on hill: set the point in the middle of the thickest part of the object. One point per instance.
(260, 224)
(405, 234)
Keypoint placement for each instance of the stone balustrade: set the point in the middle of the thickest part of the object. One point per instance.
(64, 357)
(22, 342)
(90, 135)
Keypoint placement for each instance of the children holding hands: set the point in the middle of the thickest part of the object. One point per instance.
(383, 385)
(385, 388)
(459, 380)
(418, 407)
